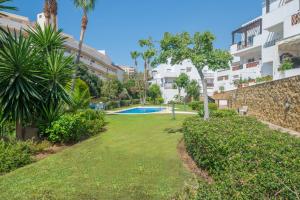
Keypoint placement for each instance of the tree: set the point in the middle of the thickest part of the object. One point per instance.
(18, 78)
(111, 88)
(134, 56)
(80, 96)
(193, 90)
(53, 13)
(199, 49)
(34, 75)
(93, 81)
(5, 7)
(47, 12)
(154, 93)
(86, 6)
(182, 82)
(147, 56)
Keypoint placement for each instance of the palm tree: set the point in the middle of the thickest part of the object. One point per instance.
(53, 13)
(47, 12)
(193, 90)
(18, 78)
(86, 6)
(4, 7)
(134, 56)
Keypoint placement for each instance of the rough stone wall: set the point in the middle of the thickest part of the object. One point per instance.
(277, 102)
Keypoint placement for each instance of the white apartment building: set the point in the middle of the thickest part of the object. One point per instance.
(97, 61)
(260, 45)
(130, 71)
(165, 75)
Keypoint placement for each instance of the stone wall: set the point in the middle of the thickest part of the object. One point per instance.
(277, 102)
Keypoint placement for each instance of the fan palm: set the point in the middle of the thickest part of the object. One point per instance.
(193, 90)
(86, 6)
(4, 7)
(19, 78)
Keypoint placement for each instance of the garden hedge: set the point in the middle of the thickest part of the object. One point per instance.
(245, 158)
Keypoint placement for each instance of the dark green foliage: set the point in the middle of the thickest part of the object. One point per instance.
(80, 96)
(154, 93)
(112, 104)
(245, 158)
(125, 102)
(93, 81)
(224, 113)
(75, 127)
(13, 155)
(196, 105)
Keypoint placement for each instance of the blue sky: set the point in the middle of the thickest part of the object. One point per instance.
(117, 25)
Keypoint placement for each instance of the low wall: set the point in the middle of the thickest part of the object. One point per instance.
(277, 102)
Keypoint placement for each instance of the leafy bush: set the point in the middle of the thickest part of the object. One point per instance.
(112, 104)
(136, 101)
(125, 102)
(224, 113)
(75, 127)
(211, 107)
(13, 155)
(245, 158)
(80, 96)
(196, 105)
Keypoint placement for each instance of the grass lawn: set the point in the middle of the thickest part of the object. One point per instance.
(134, 159)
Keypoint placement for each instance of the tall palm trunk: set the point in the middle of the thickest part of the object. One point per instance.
(47, 12)
(84, 22)
(53, 13)
(204, 85)
(145, 81)
(19, 130)
(136, 79)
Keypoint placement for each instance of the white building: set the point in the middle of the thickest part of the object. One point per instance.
(260, 45)
(130, 71)
(97, 61)
(165, 75)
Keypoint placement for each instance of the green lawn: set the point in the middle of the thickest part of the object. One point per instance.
(134, 159)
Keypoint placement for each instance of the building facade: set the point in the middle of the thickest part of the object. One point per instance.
(165, 75)
(96, 61)
(129, 71)
(260, 46)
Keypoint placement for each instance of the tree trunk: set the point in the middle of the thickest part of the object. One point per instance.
(82, 33)
(204, 85)
(19, 130)
(145, 82)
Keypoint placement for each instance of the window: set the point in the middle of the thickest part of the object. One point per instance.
(188, 69)
(251, 60)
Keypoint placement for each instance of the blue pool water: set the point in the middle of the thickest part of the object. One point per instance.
(141, 110)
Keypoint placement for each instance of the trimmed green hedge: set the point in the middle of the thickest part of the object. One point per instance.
(246, 159)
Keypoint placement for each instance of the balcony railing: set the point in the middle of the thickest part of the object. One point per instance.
(237, 67)
(252, 64)
(272, 42)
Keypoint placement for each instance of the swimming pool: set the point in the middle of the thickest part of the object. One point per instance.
(145, 110)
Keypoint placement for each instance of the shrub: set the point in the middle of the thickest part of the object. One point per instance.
(211, 107)
(136, 101)
(245, 158)
(13, 155)
(112, 104)
(196, 105)
(224, 113)
(125, 102)
(74, 127)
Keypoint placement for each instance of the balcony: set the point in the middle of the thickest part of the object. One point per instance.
(249, 36)
(252, 64)
(169, 86)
